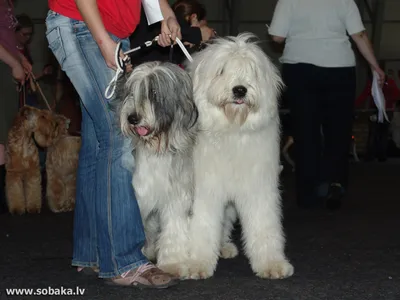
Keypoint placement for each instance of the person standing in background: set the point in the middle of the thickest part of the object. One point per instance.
(108, 229)
(13, 69)
(319, 72)
(24, 33)
(190, 15)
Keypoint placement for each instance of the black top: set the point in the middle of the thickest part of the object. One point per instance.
(145, 33)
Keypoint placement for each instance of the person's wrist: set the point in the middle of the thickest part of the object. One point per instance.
(374, 66)
(15, 63)
(166, 10)
(102, 39)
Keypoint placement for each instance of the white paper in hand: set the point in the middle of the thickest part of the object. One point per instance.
(379, 99)
(152, 10)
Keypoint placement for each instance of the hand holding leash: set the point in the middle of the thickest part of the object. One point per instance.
(121, 63)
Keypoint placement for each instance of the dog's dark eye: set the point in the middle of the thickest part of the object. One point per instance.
(153, 94)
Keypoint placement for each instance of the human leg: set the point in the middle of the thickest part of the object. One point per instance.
(111, 204)
(304, 110)
(339, 85)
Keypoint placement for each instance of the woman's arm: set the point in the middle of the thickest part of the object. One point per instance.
(280, 24)
(13, 62)
(364, 46)
(25, 63)
(170, 28)
(7, 57)
(91, 16)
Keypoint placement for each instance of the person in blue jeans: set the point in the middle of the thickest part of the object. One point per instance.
(108, 230)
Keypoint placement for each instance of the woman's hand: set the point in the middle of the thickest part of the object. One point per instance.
(381, 75)
(26, 64)
(48, 70)
(18, 73)
(170, 30)
(107, 48)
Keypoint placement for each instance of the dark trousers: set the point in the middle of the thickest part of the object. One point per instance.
(378, 139)
(320, 98)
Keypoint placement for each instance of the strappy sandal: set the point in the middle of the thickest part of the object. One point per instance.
(147, 276)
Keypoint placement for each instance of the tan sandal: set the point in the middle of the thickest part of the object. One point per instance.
(145, 276)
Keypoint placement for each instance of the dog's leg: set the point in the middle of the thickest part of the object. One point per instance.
(173, 240)
(205, 232)
(152, 229)
(260, 213)
(54, 191)
(15, 193)
(228, 248)
(33, 191)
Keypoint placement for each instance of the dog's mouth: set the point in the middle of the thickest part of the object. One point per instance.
(142, 130)
(239, 101)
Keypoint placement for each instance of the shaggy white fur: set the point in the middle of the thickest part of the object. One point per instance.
(236, 158)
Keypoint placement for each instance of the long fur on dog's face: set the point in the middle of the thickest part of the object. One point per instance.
(39, 122)
(235, 84)
(157, 107)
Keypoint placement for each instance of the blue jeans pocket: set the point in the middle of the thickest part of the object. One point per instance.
(56, 44)
(50, 15)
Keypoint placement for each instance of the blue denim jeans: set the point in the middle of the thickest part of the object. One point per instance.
(108, 230)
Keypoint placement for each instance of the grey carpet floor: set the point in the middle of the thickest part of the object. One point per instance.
(351, 254)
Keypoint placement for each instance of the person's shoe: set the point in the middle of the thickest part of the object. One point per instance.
(145, 276)
(335, 195)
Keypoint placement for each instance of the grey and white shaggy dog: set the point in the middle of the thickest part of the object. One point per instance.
(157, 111)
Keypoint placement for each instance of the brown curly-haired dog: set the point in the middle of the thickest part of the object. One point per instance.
(23, 177)
(61, 166)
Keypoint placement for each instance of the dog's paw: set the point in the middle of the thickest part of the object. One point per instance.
(33, 210)
(16, 211)
(200, 270)
(229, 250)
(275, 270)
(178, 270)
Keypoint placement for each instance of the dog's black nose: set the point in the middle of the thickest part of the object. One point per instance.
(239, 91)
(134, 119)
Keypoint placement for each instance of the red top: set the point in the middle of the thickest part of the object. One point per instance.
(120, 17)
(390, 91)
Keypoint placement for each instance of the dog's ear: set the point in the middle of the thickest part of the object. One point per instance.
(25, 111)
(189, 109)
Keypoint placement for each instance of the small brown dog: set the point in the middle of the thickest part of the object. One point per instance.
(61, 166)
(23, 177)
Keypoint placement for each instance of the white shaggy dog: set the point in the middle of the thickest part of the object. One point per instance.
(157, 111)
(236, 157)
